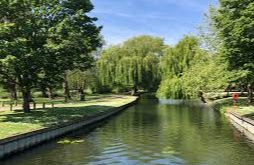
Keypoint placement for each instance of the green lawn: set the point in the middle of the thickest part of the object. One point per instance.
(245, 111)
(58, 99)
(58, 102)
(242, 108)
(17, 122)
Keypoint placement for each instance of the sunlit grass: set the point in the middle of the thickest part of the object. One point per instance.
(242, 107)
(245, 111)
(17, 122)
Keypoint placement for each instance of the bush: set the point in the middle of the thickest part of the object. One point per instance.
(171, 88)
(4, 94)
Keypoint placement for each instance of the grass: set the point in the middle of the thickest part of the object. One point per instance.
(57, 100)
(16, 122)
(247, 111)
(242, 108)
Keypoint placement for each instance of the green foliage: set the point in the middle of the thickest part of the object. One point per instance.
(133, 64)
(234, 22)
(175, 63)
(4, 94)
(206, 76)
(40, 40)
(72, 34)
(208, 33)
(83, 80)
(171, 88)
(178, 59)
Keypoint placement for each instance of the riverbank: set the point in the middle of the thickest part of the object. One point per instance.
(30, 129)
(240, 115)
(243, 108)
(149, 132)
(13, 123)
(39, 102)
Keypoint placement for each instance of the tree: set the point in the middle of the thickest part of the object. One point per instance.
(178, 59)
(235, 24)
(81, 80)
(21, 42)
(72, 37)
(39, 38)
(8, 80)
(175, 62)
(208, 33)
(132, 65)
(207, 76)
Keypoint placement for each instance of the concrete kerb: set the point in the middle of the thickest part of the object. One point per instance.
(244, 122)
(21, 142)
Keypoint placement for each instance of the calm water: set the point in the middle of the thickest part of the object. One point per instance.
(149, 133)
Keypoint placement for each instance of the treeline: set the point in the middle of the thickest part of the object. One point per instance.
(45, 44)
(41, 41)
(131, 66)
(219, 59)
(147, 63)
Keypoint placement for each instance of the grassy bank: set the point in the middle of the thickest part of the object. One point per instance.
(243, 108)
(16, 122)
(57, 102)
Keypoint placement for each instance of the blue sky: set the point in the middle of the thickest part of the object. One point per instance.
(169, 19)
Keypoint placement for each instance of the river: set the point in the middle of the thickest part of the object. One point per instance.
(148, 133)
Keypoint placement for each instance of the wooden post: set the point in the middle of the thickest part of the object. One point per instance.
(34, 104)
(43, 105)
(11, 106)
(52, 104)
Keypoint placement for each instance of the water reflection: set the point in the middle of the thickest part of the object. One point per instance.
(150, 133)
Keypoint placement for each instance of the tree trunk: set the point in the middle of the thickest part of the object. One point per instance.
(250, 93)
(67, 95)
(242, 89)
(44, 92)
(13, 92)
(228, 90)
(134, 91)
(51, 94)
(26, 100)
(82, 94)
(201, 95)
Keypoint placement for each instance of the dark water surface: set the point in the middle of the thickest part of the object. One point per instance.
(149, 133)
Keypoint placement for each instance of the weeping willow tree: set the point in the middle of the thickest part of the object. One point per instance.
(174, 63)
(132, 65)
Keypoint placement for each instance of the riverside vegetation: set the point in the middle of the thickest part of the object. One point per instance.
(49, 45)
(16, 122)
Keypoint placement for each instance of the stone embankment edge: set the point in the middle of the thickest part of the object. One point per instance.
(21, 142)
(244, 122)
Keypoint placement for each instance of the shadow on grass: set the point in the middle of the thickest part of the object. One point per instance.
(53, 116)
(251, 115)
(61, 99)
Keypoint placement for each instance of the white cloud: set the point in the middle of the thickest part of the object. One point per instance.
(124, 19)
(127, 15)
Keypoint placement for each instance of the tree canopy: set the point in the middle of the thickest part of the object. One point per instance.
(235, 24)
(40, 39)
(134, 64)
(175, 62)
(45, 44)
